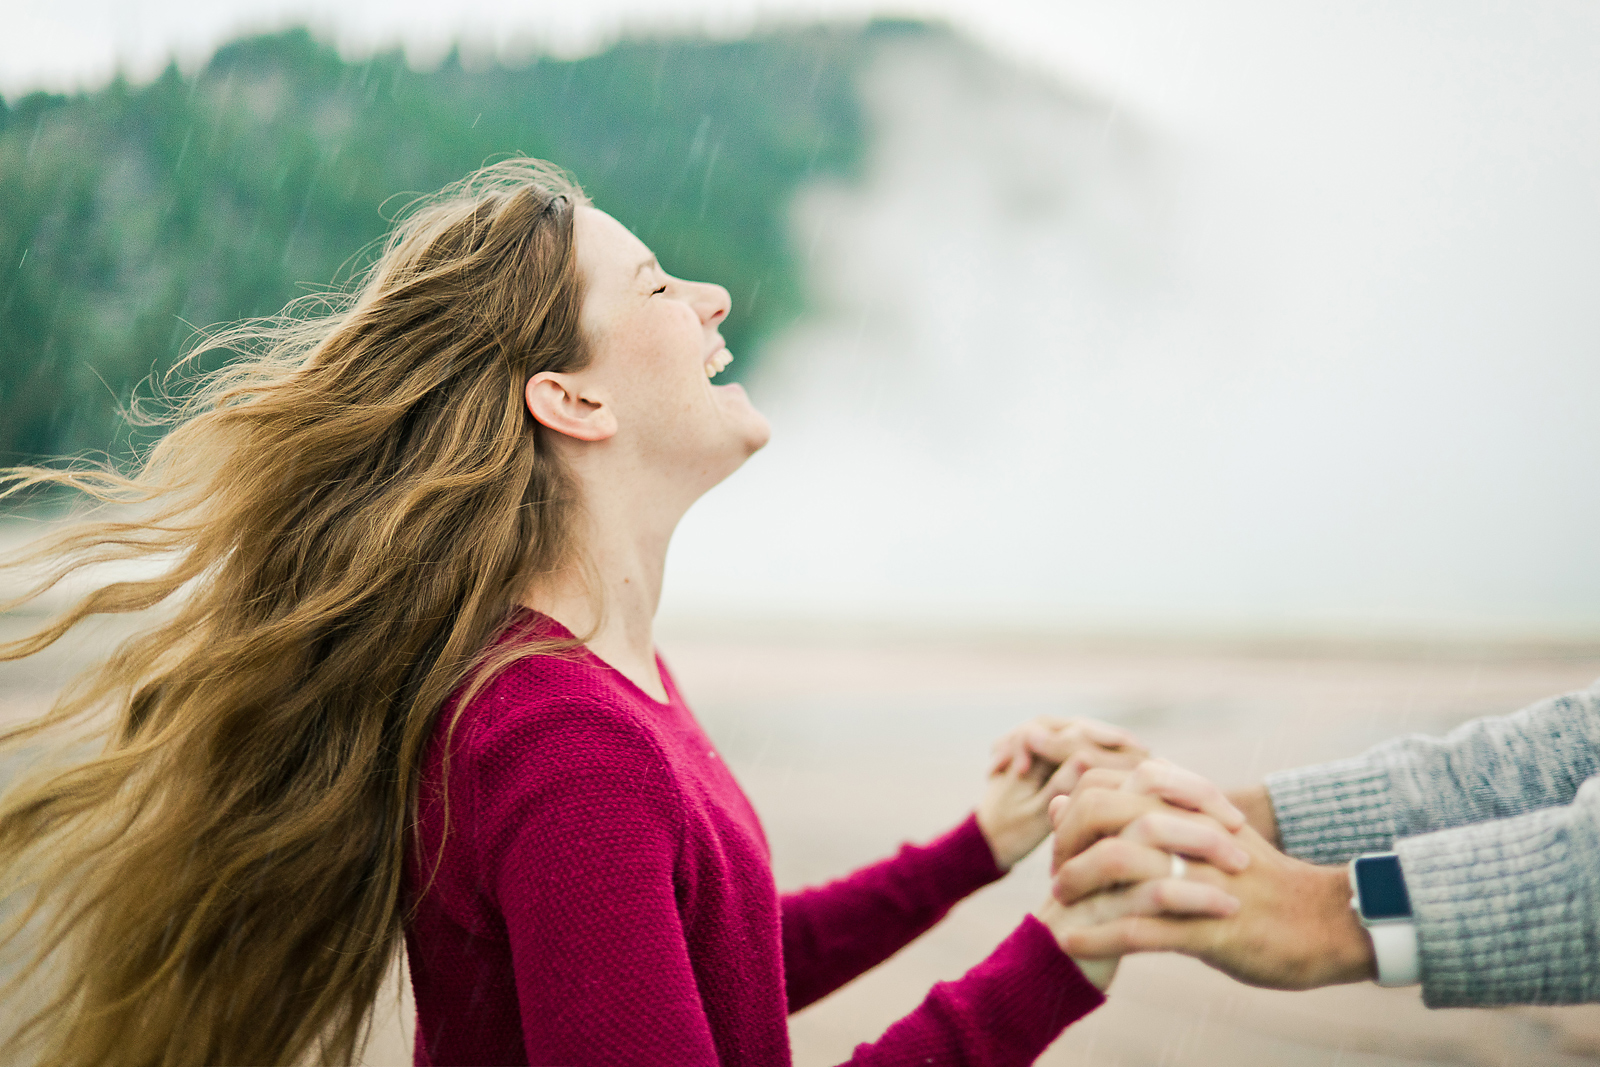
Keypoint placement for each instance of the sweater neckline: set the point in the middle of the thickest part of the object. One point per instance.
(548, 624)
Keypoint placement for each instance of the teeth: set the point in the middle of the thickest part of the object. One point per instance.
(718, 362)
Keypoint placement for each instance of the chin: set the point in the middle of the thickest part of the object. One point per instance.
(758, 435)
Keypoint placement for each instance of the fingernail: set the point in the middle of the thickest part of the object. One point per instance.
(1241, 859)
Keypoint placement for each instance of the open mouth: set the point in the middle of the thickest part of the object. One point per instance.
(718, 362)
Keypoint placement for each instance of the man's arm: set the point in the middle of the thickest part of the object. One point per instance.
(1494, 768)
(1508, 912)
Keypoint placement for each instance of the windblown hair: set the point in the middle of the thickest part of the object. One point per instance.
(342, 519)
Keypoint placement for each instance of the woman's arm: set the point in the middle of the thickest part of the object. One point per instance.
(833, 933)
(1002, 1013)
(1009, 1008)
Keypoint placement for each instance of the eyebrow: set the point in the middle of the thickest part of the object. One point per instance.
(651, 262)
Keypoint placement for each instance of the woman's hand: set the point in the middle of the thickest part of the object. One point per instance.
(1058, 742)
(1035, 763)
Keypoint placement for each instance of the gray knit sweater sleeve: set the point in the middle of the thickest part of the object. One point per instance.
(1499, 838)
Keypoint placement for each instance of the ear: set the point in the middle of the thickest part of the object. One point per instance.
(558, 404)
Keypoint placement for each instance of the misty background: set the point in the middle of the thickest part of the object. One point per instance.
(1137, 317)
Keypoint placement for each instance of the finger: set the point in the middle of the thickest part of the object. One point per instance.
(1054, 744)
(1101, 778)
(1091, 814)
(1075, 767)
(1010, 751)
(1185, 789)
(1061, 738)
(1136, 933)
(1015, 740)
(1021, 758)
(1181, 898)
(1103, 733)
(1197, 837)
(999, 756)
(1174, 897)
(1003, 757)
(1106, 864)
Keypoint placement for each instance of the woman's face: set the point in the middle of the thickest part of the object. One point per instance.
(656, 344)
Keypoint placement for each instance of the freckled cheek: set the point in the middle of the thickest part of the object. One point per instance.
(664, 338)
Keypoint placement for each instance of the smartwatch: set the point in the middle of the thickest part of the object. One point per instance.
(1379, 897)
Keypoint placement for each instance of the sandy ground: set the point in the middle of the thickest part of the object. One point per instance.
(850, 743)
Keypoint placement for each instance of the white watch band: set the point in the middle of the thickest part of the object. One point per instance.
(1395, 946)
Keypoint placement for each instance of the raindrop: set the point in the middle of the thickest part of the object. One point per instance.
(184, 150)
(698, 145)
(705, 186)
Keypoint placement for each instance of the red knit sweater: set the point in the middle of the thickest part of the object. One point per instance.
(605, 897)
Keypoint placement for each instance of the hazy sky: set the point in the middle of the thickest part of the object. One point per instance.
(1369, 393)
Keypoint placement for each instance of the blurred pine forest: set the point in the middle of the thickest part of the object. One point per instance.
(131, 215)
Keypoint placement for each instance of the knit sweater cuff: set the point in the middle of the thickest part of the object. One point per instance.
(959, 863)
(1027, 992)
(1332, 812)
(1504, 910)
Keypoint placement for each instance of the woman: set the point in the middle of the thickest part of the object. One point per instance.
(403, 684)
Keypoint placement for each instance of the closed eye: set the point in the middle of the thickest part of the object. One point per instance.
(655, 292)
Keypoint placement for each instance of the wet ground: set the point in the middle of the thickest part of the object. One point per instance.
(849, 743)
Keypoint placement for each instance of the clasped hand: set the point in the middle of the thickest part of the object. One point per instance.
(1035, 769)
(1117, 819)
(1240, 905)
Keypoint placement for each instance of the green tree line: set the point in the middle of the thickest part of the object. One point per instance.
(133, 214)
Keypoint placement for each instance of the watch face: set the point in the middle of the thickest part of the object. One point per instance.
(1381, 888)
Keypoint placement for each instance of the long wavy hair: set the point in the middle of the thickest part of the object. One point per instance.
(336, 526)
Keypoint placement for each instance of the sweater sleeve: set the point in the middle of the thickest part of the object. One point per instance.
(577, 820)
(835, 932)
(1489, 769)
(1508, 911)
(1003, 1013)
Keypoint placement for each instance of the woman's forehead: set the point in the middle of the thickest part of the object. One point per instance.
(607, 249)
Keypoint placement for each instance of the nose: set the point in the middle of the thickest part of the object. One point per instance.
(713, 303)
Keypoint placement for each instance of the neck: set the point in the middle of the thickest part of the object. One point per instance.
(613, 601)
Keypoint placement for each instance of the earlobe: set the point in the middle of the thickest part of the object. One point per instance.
(556, 403)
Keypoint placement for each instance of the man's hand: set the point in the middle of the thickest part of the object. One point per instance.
(1035, 763)
(1105, 802)
(1140, 886)
(1294, 928)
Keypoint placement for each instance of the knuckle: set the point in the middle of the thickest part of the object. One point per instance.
(1148, 826)
(1140, 935)
(1097, 778)
(1116, 857)
(1095, 801)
